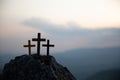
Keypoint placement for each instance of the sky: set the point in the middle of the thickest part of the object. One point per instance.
(69, 24)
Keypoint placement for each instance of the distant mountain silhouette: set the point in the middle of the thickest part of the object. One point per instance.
(106, 75)
(35, 67)
(86, 62)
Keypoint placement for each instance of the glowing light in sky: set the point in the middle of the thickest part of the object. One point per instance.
(86, 13)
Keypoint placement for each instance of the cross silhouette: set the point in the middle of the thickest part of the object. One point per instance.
(39, 39)
(48, 45)
(29, 46)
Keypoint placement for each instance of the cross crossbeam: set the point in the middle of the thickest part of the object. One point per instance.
(29, 46)
(39, 40)
(48, 45)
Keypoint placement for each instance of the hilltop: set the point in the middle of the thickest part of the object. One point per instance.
(35, 67)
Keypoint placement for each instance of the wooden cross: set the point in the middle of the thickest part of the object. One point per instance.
(29, 47)
(39, 39)
(48, 45)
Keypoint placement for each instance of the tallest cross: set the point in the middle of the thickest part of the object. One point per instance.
(39, 39)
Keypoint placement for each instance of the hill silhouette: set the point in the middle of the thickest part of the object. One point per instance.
(35, 67)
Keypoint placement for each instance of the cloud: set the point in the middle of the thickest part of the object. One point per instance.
(73, 36)
(14, 35)
(71, 30)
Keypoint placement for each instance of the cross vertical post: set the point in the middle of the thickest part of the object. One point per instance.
(48, 45)
(38, 39)
(29, 46)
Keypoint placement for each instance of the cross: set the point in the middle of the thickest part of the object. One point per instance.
(48, 45)
(39, 39)
(29, 46)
